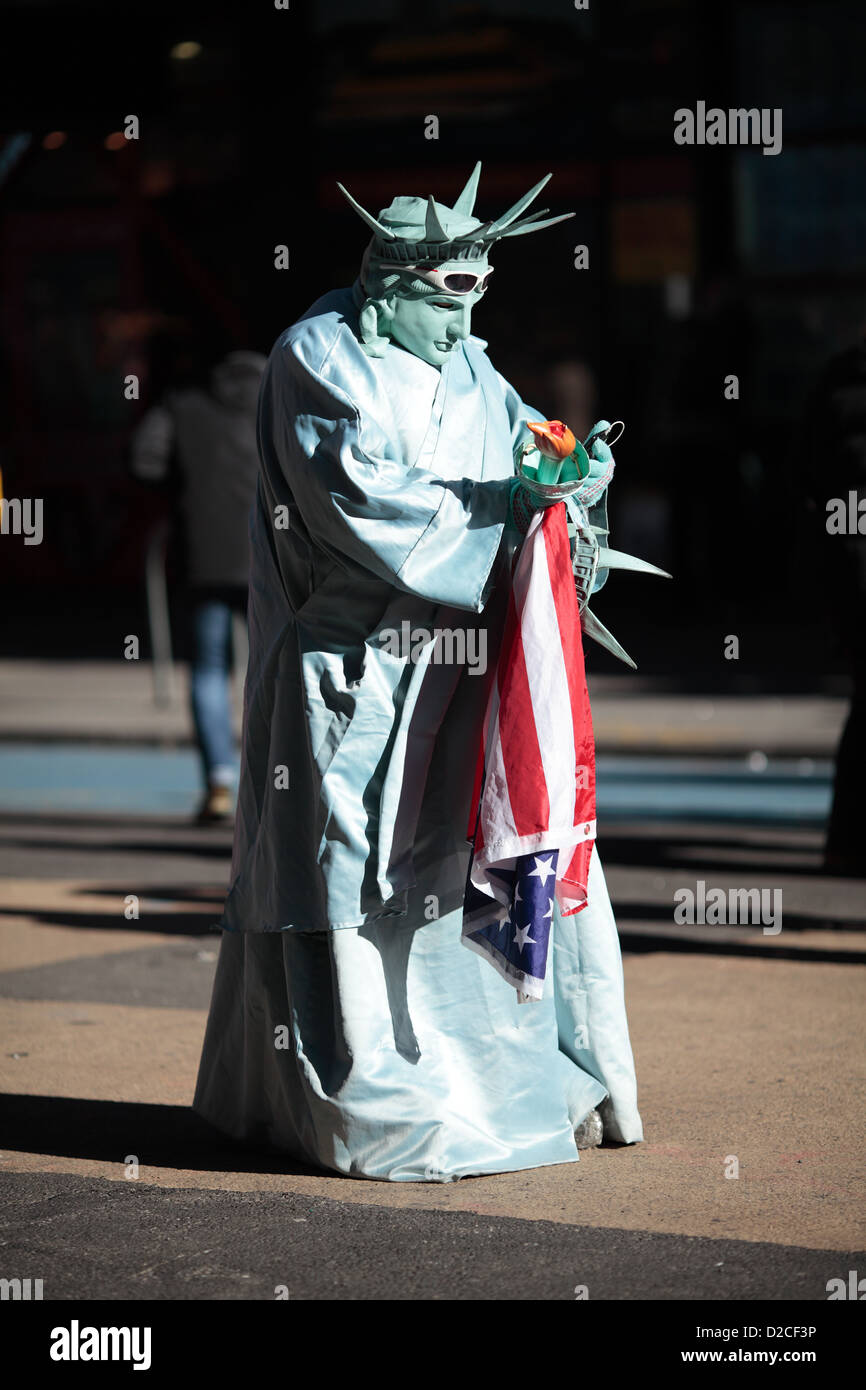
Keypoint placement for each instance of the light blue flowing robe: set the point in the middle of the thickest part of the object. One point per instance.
(348, 1024)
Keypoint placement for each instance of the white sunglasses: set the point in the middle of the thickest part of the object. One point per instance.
(452, 281)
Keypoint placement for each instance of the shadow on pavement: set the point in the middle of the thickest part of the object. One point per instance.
(153, 923)
(794, 921)
(644, 942)
(653, 846)
(160, 1136)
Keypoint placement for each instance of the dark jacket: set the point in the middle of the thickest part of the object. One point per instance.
(212, 435)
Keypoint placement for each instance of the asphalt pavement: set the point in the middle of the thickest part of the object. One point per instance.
(747, 1045)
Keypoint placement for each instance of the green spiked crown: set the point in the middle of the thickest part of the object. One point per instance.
(413, 230)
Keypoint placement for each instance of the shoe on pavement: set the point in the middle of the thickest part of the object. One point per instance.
(217, 807)
(589, 1132)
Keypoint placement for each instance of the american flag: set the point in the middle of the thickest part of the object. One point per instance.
(533, 822)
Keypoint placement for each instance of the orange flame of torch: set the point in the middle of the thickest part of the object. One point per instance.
(553, 439)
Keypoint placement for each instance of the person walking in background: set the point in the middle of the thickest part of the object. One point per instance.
(210, 435)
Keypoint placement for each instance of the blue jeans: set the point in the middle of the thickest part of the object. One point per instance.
(210, 691)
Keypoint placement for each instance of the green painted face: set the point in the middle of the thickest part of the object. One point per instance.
(430, 325)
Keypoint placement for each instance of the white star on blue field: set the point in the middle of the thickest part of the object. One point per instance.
(531, 886)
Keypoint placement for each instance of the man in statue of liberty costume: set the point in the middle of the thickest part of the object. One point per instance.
(349, 1026)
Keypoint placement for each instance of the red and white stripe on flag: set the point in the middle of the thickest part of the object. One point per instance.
(538, 747)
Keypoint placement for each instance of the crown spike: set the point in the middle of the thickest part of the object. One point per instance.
(532, 224)
(433, 229)
(517, 209)
(368, 218)
(466, 202)
(534, 216)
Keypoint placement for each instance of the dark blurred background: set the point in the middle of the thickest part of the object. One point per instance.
(154, 257)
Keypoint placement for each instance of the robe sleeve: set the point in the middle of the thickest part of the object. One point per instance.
(434, 537)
